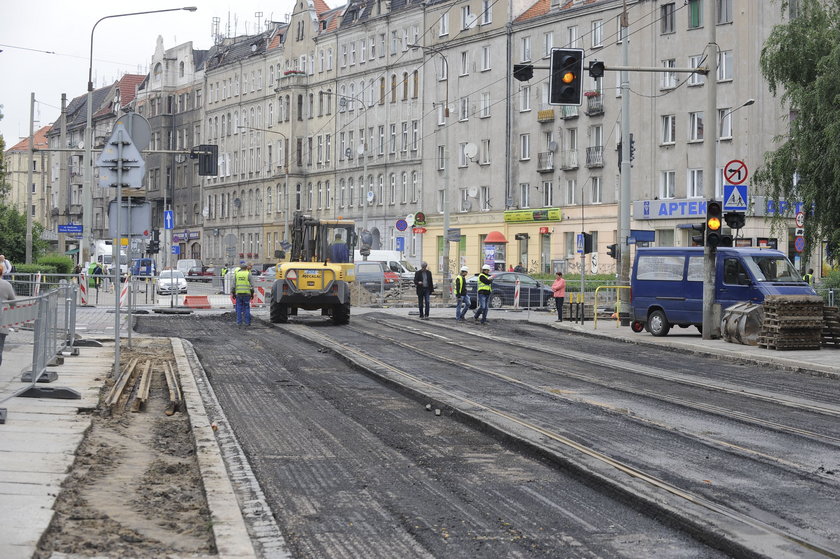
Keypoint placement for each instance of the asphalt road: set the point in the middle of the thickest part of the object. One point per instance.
(354, 468)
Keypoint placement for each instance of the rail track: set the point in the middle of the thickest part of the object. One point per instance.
(561, 402)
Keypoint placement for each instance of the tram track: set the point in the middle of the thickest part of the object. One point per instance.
(583, 456)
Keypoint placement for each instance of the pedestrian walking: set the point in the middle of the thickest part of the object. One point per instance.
(463, 298)
(5, 267)
(424, 285)
(244, 290)
(559, 289)
(7, 293)
(484, 287)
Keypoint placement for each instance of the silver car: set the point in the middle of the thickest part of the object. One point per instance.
(171, 281)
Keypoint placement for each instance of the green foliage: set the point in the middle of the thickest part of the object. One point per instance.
(831, 280)
(5, 187)
(62, 264)
(801, 61)
(35, 268)
(13, 240)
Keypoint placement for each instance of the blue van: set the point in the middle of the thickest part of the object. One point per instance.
(143, 267)
(667, 283)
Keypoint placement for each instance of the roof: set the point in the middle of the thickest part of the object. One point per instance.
(542, 7)
(40, 140)
(128, 87)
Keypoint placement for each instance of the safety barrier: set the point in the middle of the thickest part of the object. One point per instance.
(53, 320)
(617, 314)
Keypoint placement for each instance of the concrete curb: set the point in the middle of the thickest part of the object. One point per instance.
(231, 534)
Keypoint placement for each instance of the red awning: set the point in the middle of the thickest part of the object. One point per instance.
(495, 238)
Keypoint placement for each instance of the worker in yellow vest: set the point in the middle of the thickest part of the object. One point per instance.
(485, 283)
(243, 289)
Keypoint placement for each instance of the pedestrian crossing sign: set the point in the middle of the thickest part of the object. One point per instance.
(734, 197)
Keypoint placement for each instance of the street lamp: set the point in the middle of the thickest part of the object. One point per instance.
(87, 190)
(342, 101)
(286, 168)
(446, 277)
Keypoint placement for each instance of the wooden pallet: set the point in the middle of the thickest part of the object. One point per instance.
(792, 322)
(831, 327)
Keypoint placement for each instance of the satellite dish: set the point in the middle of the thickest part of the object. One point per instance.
(472, 19)
(361, 149)
(237, 202)
(552, 147)
(472, 191)
(80, 145)
(470, 150)
(348, 153)
(205, 212)
(466, 205)
(371, 196)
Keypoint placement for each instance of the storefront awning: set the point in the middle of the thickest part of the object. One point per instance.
(72, 251)
(495, 238)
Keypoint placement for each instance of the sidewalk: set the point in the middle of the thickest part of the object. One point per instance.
(39, 440)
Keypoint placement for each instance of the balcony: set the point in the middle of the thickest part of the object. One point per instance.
(545, 162)
(569, 111)
(594, 105)
(569, 160)
(595, 156)
(545, 115)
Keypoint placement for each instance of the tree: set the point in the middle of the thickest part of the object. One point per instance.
(801, 61)
(13, 241)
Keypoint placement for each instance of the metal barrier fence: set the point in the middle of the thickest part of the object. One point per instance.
(52, 317)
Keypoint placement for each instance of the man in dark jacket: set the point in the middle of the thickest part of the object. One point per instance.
(424, 285)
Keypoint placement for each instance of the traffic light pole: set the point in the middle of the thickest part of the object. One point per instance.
(711, 327)
(624, 193)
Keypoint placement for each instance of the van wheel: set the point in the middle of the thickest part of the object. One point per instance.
(637, 326)
(658, 324)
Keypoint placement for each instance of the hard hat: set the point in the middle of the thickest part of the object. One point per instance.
(486, 267)
(464, 269)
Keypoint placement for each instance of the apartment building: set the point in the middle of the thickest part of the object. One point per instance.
(43, 208)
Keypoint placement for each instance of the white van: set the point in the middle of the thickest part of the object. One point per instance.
(393, 260)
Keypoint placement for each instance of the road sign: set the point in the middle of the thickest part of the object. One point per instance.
(453, 235)
(735, 172)
(69, 228)
(800, 219)
(420, 219)
(176, 249)
(168, 219)
(399, 244)
(120, 152)
(735, 197)
(579, 243)
(401, 225)
(799, 244)
(418, 230)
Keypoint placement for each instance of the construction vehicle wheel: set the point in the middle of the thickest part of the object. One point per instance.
(279, 313)
(341, 314)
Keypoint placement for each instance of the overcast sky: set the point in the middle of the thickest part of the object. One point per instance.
(32, 29)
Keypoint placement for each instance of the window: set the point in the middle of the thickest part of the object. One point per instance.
(724, 11)
(463, 160)
(485, 152)
(524, 146)
(443, 25)
(392, 138)
(525, 49)
(465, 62)
(669, 129)
(404, 136)
(485, 58)
(724, 71)
(597, 33)
(441, 158)
(392, 189)
(486, 11)
(669, 79)
(695, 127)
(695, 183)
(666, 18)
(596, 190)
(571, 187)
(415, 186)
(572, 34)
(441, 114)
(548, 43)
(467, 20)
(725, 120)
(525, 98)
(667, 184)
(464, 109)
(444, 70)
(695, 62)
(525, 195)
(695, 14)
(415, 134)
(485, 104)
(548, 194)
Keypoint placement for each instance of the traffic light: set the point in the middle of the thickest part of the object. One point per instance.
(699, 240)
(714, 222)
(612, 251)
(596, 69)
(587, 243)
(735, 220)
(523, 72)
(565, 86)
(154, 247)
(208, 160)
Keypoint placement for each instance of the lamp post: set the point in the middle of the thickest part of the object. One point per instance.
(87, 190)
(446, 276)
(286, 169)
(363, 151)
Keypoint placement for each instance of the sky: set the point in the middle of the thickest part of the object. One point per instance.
(45, 46)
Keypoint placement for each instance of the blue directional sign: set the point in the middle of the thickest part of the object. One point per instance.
(735, 197)
(176, 249)
(399, 244)
(70, 228)
(168, 219)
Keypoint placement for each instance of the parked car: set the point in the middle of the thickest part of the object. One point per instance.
(532, 293)
(269, 273)
(171, 281)
(259, 269)
(374, 276)
(201, 273)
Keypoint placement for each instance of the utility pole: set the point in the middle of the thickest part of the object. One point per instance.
(64, 179)
(711, 326)
(29, 178)
(624, 192)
